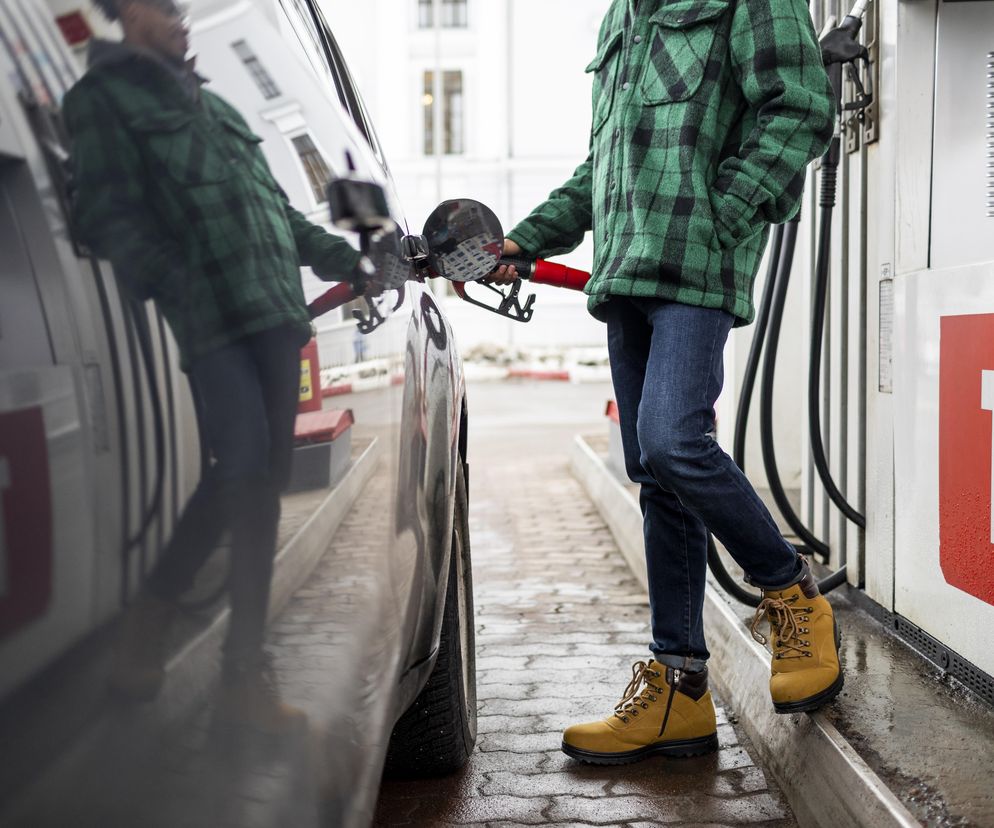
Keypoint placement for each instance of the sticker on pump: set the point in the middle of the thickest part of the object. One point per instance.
(966, 454)
(25, 519)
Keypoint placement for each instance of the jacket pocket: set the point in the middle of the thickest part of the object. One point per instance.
(174, 144)
(246, 150)
(682, 38)
(605, 70)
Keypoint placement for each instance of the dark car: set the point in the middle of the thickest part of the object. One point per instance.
(99, 449)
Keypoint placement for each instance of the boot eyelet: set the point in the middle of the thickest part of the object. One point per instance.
(624, 719)
(807, 655)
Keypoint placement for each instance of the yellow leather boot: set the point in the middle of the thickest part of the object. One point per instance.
(663, 712)
(805, 672)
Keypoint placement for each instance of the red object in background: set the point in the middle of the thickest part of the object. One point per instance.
(966, 553)
(310, 379)
(322, 426)
(25, 519)
(75, 29)
(612, 412)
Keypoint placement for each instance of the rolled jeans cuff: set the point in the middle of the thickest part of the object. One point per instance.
(803, 571)
(688, 664)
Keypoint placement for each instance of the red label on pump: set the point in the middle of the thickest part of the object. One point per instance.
(25, 519)
(966, 453)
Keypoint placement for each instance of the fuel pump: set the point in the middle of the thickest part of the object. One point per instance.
(842, 53)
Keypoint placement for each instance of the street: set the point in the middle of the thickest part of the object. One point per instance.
(560, 620)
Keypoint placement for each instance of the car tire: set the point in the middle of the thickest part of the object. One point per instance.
(436, 734)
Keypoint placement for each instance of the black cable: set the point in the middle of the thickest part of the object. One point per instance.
(756, 349)
(717, 566)
(766, 397)
(125, 460)
(171, 412)
(829, 176)
(151, 506)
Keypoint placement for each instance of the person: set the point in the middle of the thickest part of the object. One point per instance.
(170, 185)
(705, 116)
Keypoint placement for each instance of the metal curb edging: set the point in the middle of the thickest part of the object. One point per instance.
(826, 782)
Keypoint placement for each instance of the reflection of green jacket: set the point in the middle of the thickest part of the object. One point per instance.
(171, 186)
(705, 115)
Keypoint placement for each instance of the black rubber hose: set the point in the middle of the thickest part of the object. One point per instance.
(766, 397)
(125, 460)
(151, 505)
(717, 566)
(756, 349)
(829, 174)
(171, 413)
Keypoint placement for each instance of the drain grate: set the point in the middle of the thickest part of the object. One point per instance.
(971, 676)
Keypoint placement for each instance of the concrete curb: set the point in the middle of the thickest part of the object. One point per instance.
(573, 374)
(826, 782)
(194, 669)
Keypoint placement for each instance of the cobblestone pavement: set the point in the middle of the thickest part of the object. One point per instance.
(560, 621)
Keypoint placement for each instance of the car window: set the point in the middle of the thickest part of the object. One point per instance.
(305, 28)
(354, 104)
(352, 100)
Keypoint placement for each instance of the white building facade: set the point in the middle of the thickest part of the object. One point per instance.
(491, 104)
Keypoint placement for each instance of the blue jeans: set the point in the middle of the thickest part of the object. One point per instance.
(246, 397)
(666, 364)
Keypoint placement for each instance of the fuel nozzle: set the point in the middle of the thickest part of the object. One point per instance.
(841, 49)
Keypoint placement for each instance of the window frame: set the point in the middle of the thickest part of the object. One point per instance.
(264, 81)
(421, 6)
(299, 161)
(464, 131)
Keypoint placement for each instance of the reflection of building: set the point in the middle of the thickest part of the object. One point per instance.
(285, 96)
(506, 106)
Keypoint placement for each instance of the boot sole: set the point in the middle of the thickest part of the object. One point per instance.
(812, 703)
(682, 748)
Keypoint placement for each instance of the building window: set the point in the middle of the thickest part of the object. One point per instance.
(258, 72)
(451, 115)
(452, 14)
(318, 172)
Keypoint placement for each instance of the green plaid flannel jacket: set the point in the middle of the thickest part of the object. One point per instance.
(705, 115)
(176, 193)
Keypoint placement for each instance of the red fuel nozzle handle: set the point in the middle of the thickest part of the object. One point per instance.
(541, 272)
(339, 295)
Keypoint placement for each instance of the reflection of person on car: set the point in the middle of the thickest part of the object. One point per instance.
(171, 186)
(705, 115)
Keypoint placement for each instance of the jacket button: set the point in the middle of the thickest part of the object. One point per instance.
(617, 132)
(626, 86)
(638, 38)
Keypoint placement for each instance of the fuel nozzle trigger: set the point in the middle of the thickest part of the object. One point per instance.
(509, 304)
(840, 47)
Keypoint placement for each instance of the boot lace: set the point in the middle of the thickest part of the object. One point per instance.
(640, 692)
(785, 619)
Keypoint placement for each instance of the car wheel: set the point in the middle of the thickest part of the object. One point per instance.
(436, 734)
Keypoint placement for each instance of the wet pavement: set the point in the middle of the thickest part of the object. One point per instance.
(560, 621)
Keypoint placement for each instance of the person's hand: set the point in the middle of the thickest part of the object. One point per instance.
(505, 274)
